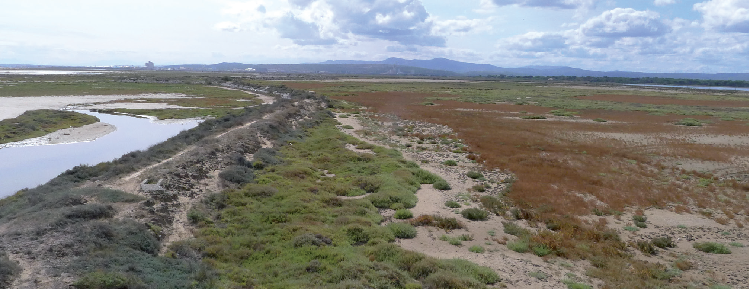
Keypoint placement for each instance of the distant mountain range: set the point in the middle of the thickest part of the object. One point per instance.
(440, 67)
(472, 69)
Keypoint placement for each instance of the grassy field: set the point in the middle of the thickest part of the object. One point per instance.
(37, 123)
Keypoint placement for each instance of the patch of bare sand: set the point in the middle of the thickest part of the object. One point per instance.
(69, 135)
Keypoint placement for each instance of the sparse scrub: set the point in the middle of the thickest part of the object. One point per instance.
(403, 214)
(689, 122)
(533, 117)
(442, 185)
(474, 214)
(712, 247)
(476, 249)
(402, 230)
(475, 175)
(452, 204)
(450, 163)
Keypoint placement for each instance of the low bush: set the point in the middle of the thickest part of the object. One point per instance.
(533, 117)
(403, 214)
(520, 246)
(664, 242)
(475, 214)
(474, 175)
(514, 229)
(442, 185)
(8, 271)
(541, 250)
(452, 204)
(347, 127)
(108, 280)
(479, 188)
(425, 177)
(450, 163)
(402, 230)
(640, 218)
(90, 212)
(689, 122)
(493, 205)
(645, 247)
(237, 175)
(476, 249)
(712, 247)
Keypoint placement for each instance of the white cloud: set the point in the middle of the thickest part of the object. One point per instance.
(558, 4)
(323, 22)
(535, 42)
(725, 15)
(228, 26)
(664, 2)
(460, 26)
(625, 22)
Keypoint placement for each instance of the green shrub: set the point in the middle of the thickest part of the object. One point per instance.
(664, 242)
(712, 247)
(90, 212)
(574, 285)
(447, 224)
(8, 271)
(237, 174)
(533, 117)
(646, 247)
(450, 280)
(599, 120)
(689, 122)
(450, 163)
(736, 244)
(476, 249)
(402, 230)
(641, 224)
(107, 280)
(474, 175)
(493, 205)
(442, 185)
(479, 188)
(640, 218)
(631, 229)
(425, 177)
(403, 214)
(452, 204)
(514, 229)
(397, 206)
(347, 127)
(475, 214)
(541, 250)
(520, 246)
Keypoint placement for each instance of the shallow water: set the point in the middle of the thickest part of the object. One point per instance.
(28, 167)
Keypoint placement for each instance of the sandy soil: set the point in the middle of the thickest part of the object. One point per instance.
(15, 106)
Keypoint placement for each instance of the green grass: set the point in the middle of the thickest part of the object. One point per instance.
(36, 123)
(736, 244)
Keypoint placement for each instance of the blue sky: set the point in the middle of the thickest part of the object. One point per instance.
(637, 35)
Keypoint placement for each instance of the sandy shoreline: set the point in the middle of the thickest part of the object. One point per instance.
(85, 133)
(15, 106)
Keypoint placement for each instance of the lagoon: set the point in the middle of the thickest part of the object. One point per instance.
(30, 166)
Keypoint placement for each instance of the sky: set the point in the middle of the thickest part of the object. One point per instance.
(709, 36)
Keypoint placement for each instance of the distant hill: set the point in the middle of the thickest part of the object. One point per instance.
(472, 69)
(365, 68)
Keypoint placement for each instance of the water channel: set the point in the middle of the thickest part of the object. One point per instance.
(30, 166)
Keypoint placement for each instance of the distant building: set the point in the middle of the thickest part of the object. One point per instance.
(149, 65)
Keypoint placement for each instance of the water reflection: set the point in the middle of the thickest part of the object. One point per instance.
(22, 167)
